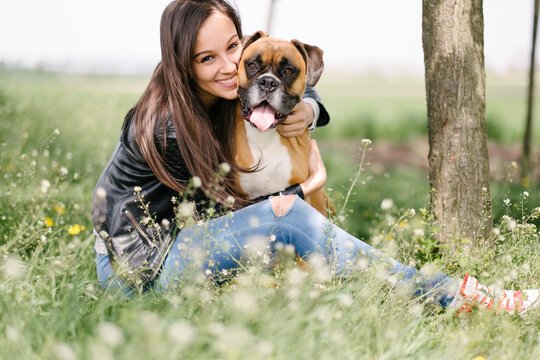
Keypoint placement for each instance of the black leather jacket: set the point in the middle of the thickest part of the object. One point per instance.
(138, 238)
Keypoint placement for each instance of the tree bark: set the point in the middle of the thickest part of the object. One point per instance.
(453, 41)
(526, 154)
(270, 16)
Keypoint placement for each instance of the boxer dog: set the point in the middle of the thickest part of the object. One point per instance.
(272, 77)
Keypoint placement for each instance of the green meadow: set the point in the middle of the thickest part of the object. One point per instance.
(56, 135)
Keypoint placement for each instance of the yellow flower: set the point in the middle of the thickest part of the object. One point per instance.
(60, 208)
(403, 223)
(75, 229)
(479, 357)
(49, 222)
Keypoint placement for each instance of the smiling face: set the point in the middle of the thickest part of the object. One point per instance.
(217, 52)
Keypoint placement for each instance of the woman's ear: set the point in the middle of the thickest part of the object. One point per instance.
(313, 56)
(250, 39)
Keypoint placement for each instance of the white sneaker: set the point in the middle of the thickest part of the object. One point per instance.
(473, 294)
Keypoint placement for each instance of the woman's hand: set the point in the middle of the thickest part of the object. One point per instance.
(297, 121)
(317, 171)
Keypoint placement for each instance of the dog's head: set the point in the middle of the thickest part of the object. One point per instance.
(272, 77)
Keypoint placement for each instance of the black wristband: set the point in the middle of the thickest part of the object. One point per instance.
(295, 189)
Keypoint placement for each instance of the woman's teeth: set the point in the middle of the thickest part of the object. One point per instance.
(227, 82)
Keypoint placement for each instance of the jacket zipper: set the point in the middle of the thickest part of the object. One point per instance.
(139, 229)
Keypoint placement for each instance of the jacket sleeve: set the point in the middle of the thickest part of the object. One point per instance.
(324, 117)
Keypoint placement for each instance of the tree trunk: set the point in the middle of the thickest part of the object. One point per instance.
(270, 16)
(526, 154)
(453, 41)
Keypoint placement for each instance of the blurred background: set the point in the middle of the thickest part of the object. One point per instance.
(78, 66)
(122, 36)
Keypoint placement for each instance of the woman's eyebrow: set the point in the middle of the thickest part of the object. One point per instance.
(209, 51)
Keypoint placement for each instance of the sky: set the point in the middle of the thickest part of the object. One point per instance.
(122, 36)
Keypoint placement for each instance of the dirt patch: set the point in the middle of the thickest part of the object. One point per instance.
(384, 155)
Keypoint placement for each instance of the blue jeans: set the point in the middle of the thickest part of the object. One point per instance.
(228, 242)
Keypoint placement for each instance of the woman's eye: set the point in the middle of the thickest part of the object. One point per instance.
(206, 59)
(233, 46)
(288, 71)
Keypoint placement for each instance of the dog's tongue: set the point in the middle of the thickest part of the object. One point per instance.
(263, 116)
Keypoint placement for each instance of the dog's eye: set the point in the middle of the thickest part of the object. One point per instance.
(252, 66)
(288, 71)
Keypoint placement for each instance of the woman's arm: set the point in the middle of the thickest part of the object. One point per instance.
(317, 171)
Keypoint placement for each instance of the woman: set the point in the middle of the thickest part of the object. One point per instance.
(176, 150)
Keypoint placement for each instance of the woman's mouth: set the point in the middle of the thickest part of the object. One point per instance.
(228, 83)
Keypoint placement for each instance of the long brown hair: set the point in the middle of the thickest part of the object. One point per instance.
(204, 136)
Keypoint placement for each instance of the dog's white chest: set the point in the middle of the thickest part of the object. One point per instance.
(275, 168)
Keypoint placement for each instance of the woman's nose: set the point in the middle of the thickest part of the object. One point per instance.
(231, 64)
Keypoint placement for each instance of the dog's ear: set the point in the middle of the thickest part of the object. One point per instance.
(250, 39)
(313, 56)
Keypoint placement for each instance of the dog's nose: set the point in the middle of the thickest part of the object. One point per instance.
(267, 83)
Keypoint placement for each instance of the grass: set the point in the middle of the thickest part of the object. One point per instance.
(52, 308)
(393, 108)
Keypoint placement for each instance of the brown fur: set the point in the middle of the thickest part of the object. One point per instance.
(272, 50)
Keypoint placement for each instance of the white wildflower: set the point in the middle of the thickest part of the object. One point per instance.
(45, 185)
(387, 204)
(256, 246)
(506, 202)
(362, 263)
(64, 352)
(525, 194)
(110, 334)
(296, 276)
(12, 334)
(64, 171)
(245, 302)
(293, 293)
(321, 269)
(366, 142)
(224, 168)
(264, 349)
(181, 333)
(56, 132)
(289, 249)
(233, 340)
(428, 271)
(418, 233)
(137, 189)
(13, 267)
(186, 209)
(346, 300)
(513, 274)
(165, 223)
(196, 182)
(101, 193)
